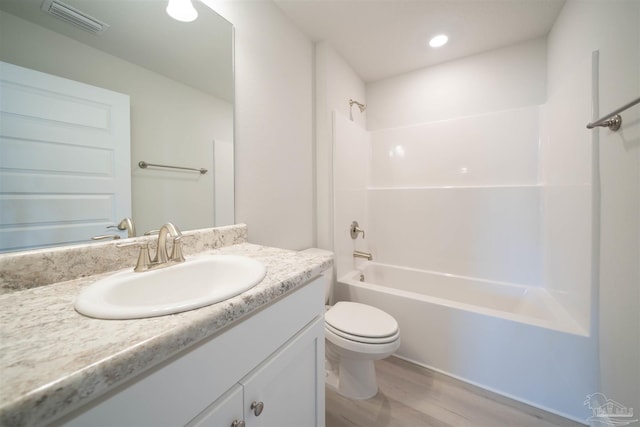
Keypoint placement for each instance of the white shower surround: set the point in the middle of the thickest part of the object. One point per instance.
(464, 198)
(467, 196)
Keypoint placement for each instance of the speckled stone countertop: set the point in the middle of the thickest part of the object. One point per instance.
(54, 360)
(30, 269)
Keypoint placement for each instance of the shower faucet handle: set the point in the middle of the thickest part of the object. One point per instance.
(355, 229)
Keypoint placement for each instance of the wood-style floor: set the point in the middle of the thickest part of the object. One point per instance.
(412, 396)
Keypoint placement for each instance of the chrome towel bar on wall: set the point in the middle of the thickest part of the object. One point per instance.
(144, 165)
(613, 120)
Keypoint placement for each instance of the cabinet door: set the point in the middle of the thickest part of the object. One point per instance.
(290, 384)
(223, 412)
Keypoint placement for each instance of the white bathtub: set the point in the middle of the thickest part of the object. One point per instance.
(515, 340)
(531, 305)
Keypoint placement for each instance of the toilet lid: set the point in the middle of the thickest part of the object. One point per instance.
(361, 320)
(365, 340)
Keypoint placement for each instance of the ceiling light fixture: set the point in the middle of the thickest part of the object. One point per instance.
(439, 40)
(182, 10)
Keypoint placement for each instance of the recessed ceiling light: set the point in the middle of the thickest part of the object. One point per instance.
(439, 40)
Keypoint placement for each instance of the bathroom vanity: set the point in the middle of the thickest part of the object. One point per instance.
(256, 359)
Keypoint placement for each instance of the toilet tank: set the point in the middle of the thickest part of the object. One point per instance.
(326, 275)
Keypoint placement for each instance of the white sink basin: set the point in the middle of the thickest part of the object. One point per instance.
(192, 284)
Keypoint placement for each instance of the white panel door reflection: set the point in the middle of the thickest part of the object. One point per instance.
(65, 170)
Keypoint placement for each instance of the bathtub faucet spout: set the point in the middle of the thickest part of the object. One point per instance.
(360, 254)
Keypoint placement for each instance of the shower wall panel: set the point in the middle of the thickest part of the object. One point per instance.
(490, 233)
(499, 148)
(460, 196)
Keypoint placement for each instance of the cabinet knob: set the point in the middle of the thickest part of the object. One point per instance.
(257, 408)
(237, 423)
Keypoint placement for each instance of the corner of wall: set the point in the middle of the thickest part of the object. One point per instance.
(335, 83)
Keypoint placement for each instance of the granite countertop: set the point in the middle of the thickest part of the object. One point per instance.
(54, 360)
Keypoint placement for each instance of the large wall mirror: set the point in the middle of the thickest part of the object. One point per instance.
(179, 80)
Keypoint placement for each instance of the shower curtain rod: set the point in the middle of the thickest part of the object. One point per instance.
(613, 120)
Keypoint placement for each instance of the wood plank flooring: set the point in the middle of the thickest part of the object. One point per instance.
(410, 395)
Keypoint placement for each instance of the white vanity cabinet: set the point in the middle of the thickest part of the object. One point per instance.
(274, 358)
(281, 392)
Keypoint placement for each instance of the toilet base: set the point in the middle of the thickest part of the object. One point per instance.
(331, 380)
(355, 379)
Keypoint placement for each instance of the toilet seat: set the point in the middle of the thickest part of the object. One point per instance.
(349, 348)
(361, 323)
(364, 340)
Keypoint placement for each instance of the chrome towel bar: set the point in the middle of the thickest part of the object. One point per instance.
(613, 120)
(144, 165)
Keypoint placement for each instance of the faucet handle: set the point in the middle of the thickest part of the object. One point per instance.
(355, 229)
(176, 252)
(126, 224)
(106, 236)
(144, 259)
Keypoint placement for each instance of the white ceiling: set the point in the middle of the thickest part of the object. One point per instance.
(383, 38)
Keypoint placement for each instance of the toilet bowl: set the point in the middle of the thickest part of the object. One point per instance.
(356, 335)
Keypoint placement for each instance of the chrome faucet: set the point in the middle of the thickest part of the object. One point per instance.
(360, 254)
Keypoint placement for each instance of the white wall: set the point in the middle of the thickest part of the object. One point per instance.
(273, 124)
(171, 123)
(224, 196)
(612, 28)
(336, 83)
(502, 79)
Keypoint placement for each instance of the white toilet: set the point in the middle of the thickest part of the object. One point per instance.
(355, 336)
